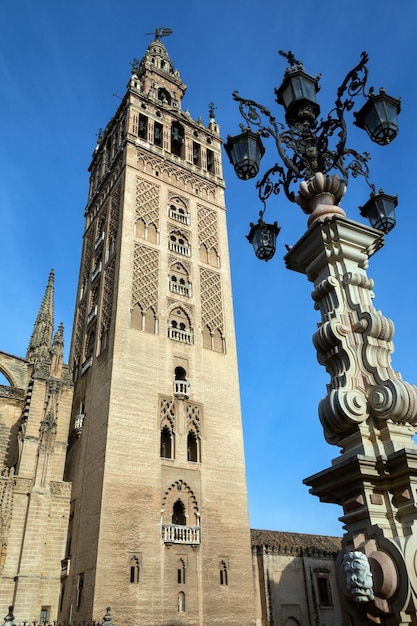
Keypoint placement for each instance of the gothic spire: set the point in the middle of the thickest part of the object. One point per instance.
(40, 341)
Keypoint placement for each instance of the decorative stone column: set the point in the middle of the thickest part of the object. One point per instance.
(369, 411)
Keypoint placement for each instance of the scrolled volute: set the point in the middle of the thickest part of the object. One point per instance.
(395, 400)
(340, 411)
(376, 325)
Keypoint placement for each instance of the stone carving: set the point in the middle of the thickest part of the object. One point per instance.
(59, 488)
(359, 580)
(195, 183)
(354, 340)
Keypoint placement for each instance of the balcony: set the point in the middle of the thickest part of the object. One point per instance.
(78, 424)
(96, 272)
(179, 216)
(92, 314)
(173, 533)
(98, 241)
(181, 389)
(87, 363)
(65, 567)
(178, 334)
(180, 248)
(180, 289)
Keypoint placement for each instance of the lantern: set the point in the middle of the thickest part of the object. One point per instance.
(380, 211)
(245, 152)
(378, 117)
(263, 238)
(297, 95)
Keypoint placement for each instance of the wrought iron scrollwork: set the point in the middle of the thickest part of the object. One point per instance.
(309, 147)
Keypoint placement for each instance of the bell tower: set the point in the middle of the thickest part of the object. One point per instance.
(158, 525)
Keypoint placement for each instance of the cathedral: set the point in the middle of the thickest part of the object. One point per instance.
(122, 473)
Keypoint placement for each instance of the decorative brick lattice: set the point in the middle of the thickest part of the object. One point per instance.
(114, 211)
(88, 253)
(147, 202)
(79, 329)
(194, 418)
(108, 290)
(211, 300)
(145, 277)
(207, 228)
(153, 164)
(167, 411)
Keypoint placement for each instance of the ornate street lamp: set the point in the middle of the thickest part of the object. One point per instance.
(308, 146)
(369, 411)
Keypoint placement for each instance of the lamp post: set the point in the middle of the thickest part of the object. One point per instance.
(368, 411)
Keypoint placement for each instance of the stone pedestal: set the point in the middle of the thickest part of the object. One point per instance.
(369, 411)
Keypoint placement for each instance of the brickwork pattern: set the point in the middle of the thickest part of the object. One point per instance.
(145, 277)
(147, 202)
(211, 300)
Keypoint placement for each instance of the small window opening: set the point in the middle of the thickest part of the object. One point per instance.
(181, 572)
(143, 126)
(80, 587)
(134, 570)
(210, 161)
(181, 602)
(196, 153)
(323, 586)
(177, 139)
(157, 134)
(223, 574)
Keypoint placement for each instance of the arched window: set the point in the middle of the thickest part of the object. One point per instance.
(177, 139)
(134, 570)
(223, 574)
(178, 210)
(179, 327)
(143, 127)
(178, 513)
(192, 447)
(178, 243)
(181, 602)
(166, 443)
(164, 96)
(181, 572)
(179, 280)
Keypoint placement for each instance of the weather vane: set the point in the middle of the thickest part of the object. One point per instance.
(160, 32)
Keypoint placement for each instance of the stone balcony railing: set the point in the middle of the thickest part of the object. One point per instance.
(182, 290)
(180, 217)
(186, 336)
(176, 533)
(12, 392)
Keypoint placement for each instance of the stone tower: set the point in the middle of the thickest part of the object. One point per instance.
(158, 524)
(35, 409)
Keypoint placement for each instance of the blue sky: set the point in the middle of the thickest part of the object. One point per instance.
(61, 64)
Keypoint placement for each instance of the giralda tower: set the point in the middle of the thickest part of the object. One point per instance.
(159, 526)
